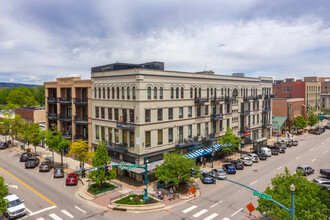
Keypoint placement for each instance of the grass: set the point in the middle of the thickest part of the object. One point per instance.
(97, 189)
(135, 200)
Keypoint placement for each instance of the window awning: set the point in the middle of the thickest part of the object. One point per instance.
(205, 151)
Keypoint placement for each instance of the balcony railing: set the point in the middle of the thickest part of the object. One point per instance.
(217, 99)
(52, 116)
(266, 124)
(65, 100)
(267, 109)
(201, 100)
(117, 147)
(245, 128)
(245, 113)
(81, 121)
(230, 98)
(67, 136)
(217, 116)
(269, 96)
(83, 101)
(126, 125)
(65, 118)
(187, 142)
(78, 137)
(247, 98)
(51, 100)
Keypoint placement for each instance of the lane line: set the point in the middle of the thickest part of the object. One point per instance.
(189, 209)
(200, 213)
(67, 213)
(216, 204)
(29, 210)
(55, 217)
(211, 216)
(12, 154)
(40, 219)
(279, 168)
(297, 157)
(29, 187)
(42, 210)
(313, 160)
(226, 218)
(84, 210)
(253, 182)
(237, 212)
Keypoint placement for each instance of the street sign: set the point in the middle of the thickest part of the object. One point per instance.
(264, 196)
(250, 207)
(93, 169)
(109, 166)
(122, 166)
(132, 166)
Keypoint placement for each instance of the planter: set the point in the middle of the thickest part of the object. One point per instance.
(146, 207)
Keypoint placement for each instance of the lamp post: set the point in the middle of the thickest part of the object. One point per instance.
(145, 197)
(212, 155)
(292, 188)
(278, 131)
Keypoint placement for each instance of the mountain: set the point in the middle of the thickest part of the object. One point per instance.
(12, 85)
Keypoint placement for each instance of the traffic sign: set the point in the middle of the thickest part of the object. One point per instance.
(250, 207)
(122, 166)
(261, 195)
(132, 166)
(109, 166)
(93, 169)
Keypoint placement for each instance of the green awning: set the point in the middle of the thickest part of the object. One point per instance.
(278, 122)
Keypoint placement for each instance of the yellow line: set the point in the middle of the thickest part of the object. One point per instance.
(29, 187)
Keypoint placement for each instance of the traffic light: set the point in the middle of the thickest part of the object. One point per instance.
(105, 169)
(192, 172)
(83, 173)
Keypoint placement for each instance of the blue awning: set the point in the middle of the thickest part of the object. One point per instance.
(205, 151)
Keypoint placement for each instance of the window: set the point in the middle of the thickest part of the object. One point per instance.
(161, 93)
(191, 93)
(134, 97)
(199, 129)
(170, 135)
(253, 119)
(172, 93)
(228, 122)
(189, 131)
(283, 88)
(102, 133)
(170, 113)
(221, 107)
(195, 93)
(155, 93)
(128, 93)
(147, 115)
(147, 138)
(117, 93)
(180, 135)
(97, 132)
(198, 111)
(208, 93)
(113, 93)
(181, 112)
(116, 114)
(182, 93)
(206, 128)
(221, 125)
(190, 111)
(131, 138)
(104, 93)
(97, 114)
(200, 92)
(160, 137)
(149, 92)
(206, 110)
(102, 113)
(99, 93)
(95, 93)
(131, 115)
(108, 90)
(257, 119)
(160, 114)
(110, 135)
(177, 93)
(116, 135)
(288, 89)
(228, 108)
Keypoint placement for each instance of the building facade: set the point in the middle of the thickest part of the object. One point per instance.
(32, 114)
(143, 109)
(68, 107)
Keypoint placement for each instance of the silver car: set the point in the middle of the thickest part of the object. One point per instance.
(247, 161)
(325, 183)
(219, 173)
(254, 157)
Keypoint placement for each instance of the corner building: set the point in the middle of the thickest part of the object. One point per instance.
(140, 109)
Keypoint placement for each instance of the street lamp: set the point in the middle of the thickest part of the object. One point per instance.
(145, 197)
(278, 131)
(212, 154)
(292, 188)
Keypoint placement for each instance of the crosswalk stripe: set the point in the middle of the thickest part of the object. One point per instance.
(189, 209)
(55, 217)
(67, 213)
(40, 219)
(211, 216)
(226, 218)
(200, 213)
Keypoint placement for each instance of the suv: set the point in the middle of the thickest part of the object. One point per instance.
(58, 172)
(45, 166)
(261, 155)
(274, 150)
(229, 168)
(305, 170)
(246, 160)
(32, 162)
(24, 157)
(15, 206)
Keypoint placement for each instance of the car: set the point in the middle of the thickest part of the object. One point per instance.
(261, 155)
(229, 168)
(32, 162)
(294, 142)
(15, 208)
(4, 145)
(327, 126)
(45, 166)
(219, 173)
(58, 172)
(238, 164)
(281, 150)
(72, 179)
(246, 160)
(288, 142)
(206, 178)
(24, 157)
(325, 183)
(325, 173)
(274, 150)
(254, 157)
(266, 151)
(305, 170)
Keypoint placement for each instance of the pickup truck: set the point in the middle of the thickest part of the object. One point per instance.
(325, 173)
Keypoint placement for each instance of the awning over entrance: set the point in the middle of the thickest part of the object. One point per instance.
(278, 122)
(205, 151)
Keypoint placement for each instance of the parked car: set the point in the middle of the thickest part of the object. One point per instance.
(238, 164)
(266, 151)
(261, 155)
(325, 173)
(288, 142)
(32, 162)
(229, 168)
(305, 170)
(15, 208)
(208, 179)
(254, 157)
(72, 179)
(45, 166)
(246, 160)
(280, 144)
(58, 172)
(24, 157)
(219, 173)
(315, 131)
(4, 145)
(327, 126)
(281, 150)
(294, 142)
(325, 183)
(274, 150)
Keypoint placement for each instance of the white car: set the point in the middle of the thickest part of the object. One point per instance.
(15, 207)
(247, 161)
(254, 157)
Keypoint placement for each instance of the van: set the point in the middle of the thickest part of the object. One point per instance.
(266, 151)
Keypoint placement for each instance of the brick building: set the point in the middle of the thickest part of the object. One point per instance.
(32, 114)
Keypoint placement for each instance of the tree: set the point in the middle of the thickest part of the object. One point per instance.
(176, 168)
(34, 137)
(101, 158)
(3, 193)
(80, 149)
(311, 118)
(21, 96)
(311, 201)
(64, 144)
(230, 139)
(299, 122)
(56, 142)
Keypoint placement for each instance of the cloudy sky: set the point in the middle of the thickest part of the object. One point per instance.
(41, 40)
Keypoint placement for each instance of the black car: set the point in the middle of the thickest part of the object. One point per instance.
(327, 126)
(281, 150)
(24, 157)
(58, 172)
(261, 155)
(32, 162)
(274, 150)
(238, 164)
(45, 166)
(4, 145)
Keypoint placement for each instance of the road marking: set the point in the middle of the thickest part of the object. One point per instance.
(29, 187)
(12, 186)
(211, 216)
(55, 216)
(253, 182)
(237, 212)
(313, 160)
(40, 219)
(67, 213)
(297, 157)
(279, 168)
(189, 209)
(52, 177)
(226, 218)
(42, 210)
(200, 213)
(28, 210)
(12, 154)
(17, 160)
(83, 210)
(311, 149)
(216, 204)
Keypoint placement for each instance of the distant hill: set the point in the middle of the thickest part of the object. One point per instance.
(12, 85)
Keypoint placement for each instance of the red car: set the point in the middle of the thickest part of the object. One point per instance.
(72, 179)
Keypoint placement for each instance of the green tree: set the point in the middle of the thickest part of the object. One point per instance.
(176, 168)
(34, 137)
(311, 201)
(6, 120)
(230, 139)
(80, 149)
(39, 94)
(64, 144)
(3, 193)
(56, 142)
(22, 96)
(312, 119)
(101, 158)
(299, 122)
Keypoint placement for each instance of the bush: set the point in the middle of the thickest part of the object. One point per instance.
(97, 189)
(135, 200)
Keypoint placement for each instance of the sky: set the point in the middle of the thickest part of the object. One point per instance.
(42, 40)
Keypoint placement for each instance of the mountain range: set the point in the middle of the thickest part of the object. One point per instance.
(12, 85)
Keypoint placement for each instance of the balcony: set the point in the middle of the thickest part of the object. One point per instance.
(259, 96)
(80, 137)
(65, 101)
(201, 100)
(245, 128)
(65, 118)
(267, 109)
(269, 96)
(126, 125)
(266, 124)
(117, 147)
(247, 98)
(52, 116)
(245, 113)
(81, 102)
(215, 117)
(67, 136)
(256, 97)
(230, 98)
(81, 121)
(187, 142)
(217, 99)
(51, 100)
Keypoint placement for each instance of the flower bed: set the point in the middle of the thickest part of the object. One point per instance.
(135, 200)
(96, 189)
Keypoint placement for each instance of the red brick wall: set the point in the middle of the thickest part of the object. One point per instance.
(279, 107)
(26, 114)
(298, 89)
(278, 90)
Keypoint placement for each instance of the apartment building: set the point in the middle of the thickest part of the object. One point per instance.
(325, 94)
(68, 107)
(141, 109)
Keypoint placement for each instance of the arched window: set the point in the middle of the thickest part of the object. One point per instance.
(122, 93)
(99, 93)
(207, 92)
(108, 90)
(191, 93)
(95, 92)
(104, 93)
(235, 92)
(113, 93)
(182, 93)
(177, 93)
(149, 92)
(241, 91)
(155, 92)
(221, 91)
(215, 92)
(211, 92)
(117, 92)
(161, 93)
(200, 92)
(172, 93)
(134, 96)
(195, 93)
(128, 93)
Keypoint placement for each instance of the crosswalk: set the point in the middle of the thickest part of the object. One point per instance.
(202, 213)
(58, 216)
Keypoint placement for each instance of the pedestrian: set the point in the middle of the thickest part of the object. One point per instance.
(288, 134)
(159, 194)
(22, 145)
(171, 194)
(174, 192)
